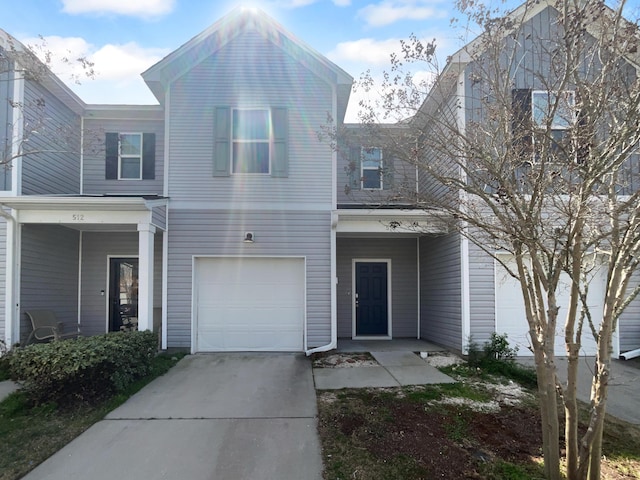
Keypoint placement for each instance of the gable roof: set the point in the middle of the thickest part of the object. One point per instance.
(457, 62)
(240, 20)
(25, 59)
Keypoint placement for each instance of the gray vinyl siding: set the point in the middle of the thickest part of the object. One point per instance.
(53, 133)
(249, 71)
(49, 275)
(97, 247)
(404, 275)
(3, 274)
(629, 322)
(481, 294)
(94, 181)
(159, 217)
(284, 233)
(6, 119)
(403, 184)
(441, 290)
(434, 156)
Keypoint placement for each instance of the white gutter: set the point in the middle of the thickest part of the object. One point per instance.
(630, 354)
(334, 283)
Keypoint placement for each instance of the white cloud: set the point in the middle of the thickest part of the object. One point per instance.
(117, 67)
(366, 51)
(391, 11)
(372, 55)
(342, 3)
(375, 95)
(134, 8)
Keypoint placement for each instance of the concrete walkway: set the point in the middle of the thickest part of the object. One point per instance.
(218, 416)
(397, 368)
(7, 387)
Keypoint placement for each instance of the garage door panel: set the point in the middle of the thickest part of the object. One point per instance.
(249, 304)
(511, 318)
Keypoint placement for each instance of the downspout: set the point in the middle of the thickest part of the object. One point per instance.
(630, 354)
(334, 281)
(332, 239)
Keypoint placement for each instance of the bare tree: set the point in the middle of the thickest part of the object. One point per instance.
(29, 127)
(528, 141)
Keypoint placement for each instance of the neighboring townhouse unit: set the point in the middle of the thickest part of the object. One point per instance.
(218, 217)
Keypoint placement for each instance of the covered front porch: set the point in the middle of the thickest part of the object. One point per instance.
(96, 262)
(399, 277)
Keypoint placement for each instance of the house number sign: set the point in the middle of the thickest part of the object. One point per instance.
(77, 217)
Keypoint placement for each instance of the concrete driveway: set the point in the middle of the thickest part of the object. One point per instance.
(624, 385)
(216, 416)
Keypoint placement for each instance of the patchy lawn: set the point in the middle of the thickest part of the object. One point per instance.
(479, 428)
(29, 435)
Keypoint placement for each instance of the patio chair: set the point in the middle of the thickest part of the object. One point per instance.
(46, 326)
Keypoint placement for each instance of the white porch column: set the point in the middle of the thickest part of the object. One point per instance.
(145, 276)
(12, 282)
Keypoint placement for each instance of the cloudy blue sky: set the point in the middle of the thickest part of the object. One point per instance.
(125, 37)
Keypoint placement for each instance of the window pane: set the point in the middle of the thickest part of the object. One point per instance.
(130, 167)
(130, 144)
(251, 157)
(371, 178)
(251, 124)
(372, 157)
(565, 111)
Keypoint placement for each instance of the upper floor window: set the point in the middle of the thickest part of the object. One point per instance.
(541, 122)
(371, 168)
(251, 134)
(130, 162)
(251, 141)
(130, 156)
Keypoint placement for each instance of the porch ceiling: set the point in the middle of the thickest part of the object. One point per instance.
(389, 222)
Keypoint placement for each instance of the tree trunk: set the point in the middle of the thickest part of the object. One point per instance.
(546, 371)
(571, 417)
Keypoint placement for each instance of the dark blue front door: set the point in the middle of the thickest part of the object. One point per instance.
(371, 299)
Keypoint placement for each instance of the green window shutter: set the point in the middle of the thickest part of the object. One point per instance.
(355, 167)
(387, 173)
(111, 156)
(280, 160)
(148, 156)
(222, 142)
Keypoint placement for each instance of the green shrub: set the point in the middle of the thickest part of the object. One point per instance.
(85, 369)
(498, 348)
(498, 358)
(5, 355)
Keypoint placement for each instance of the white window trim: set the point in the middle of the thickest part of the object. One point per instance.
(269, 141)
(121, 156)
(553, 127)
(547, 93)
(379, 169)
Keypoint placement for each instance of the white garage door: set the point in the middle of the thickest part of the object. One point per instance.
(249, 304)
(511, 319)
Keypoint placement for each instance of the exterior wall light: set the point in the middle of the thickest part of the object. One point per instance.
(248, 237)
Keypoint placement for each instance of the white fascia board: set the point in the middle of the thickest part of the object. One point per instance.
(125, 112)
(377, 221)
(80, 217)
(83, 203)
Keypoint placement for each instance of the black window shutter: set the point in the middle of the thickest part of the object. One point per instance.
(148, 156)
(387, 173)
(111, 156)
(521, 121)
(222, 142)
(355, 166)
(280, 160)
